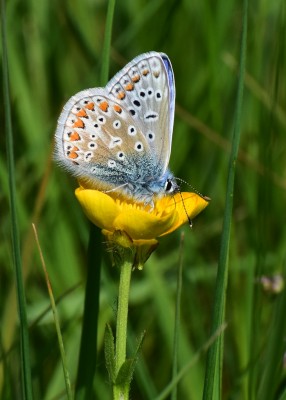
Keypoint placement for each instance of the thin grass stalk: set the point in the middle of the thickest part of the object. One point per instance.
(273, 374)
(213, 375)
(107, 43)
(56, 318)
(88, 346)
(26, 379)
(177, 318)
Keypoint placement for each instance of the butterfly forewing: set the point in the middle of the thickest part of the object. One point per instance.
(145, 87)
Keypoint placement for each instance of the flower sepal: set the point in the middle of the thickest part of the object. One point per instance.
(123, 247)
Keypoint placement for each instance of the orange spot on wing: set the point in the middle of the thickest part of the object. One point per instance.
(90, 106)
(145, 72)
(136, 78)
(73, 153)
(81, 113)
(129, 87)
(117, 109)
(74, 136)
(78, 124)
(121, 95)
(104, 106)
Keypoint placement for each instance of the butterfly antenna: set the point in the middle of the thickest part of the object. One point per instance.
(189, 219)
(192, 187)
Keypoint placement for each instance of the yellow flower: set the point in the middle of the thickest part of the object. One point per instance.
(138, 221)
(135, 226)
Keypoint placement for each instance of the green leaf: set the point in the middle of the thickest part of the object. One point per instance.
(139, 344)
(126, 371)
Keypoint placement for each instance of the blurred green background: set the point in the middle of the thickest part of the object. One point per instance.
(55, 50)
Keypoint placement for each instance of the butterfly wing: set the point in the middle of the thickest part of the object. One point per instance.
(120, 136)
(97, 140)
(146, 88)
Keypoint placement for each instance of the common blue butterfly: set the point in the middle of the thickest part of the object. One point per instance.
(118, 138)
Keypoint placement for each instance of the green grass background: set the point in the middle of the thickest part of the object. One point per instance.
(55, 50)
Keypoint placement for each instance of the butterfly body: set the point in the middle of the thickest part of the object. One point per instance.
(118, 138)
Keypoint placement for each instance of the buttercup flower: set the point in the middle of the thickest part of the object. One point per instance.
(140, 222)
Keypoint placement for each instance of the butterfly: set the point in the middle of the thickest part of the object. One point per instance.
(118, 138)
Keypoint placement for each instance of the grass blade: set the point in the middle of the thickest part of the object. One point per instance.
(88, 345)
(213, 376)
(24, 332)
(107, 43)
(177, 317)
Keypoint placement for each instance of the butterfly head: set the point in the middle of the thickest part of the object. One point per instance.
(149, 190)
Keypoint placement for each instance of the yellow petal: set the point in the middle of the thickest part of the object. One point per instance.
(141, 224)
(187, 206)
(99, 208)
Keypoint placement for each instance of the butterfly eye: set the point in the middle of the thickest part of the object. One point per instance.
(169, 186)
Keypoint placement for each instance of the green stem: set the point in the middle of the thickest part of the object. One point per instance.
(119, 391)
